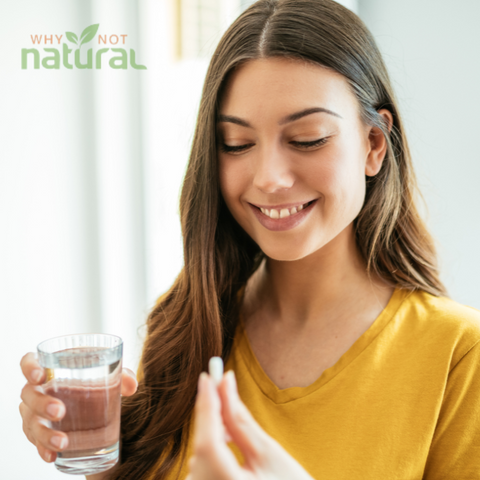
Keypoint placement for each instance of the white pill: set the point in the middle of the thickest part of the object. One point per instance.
(215, 369)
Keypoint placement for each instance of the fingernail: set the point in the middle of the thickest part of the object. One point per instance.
(55, 410)
(132, 375)
(232, 383)
(48, 456)
(201, 381)
(58, 442)
(36, 375)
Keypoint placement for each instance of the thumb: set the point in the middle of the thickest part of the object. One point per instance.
(211, 456)
(247, 434)
(129, 382)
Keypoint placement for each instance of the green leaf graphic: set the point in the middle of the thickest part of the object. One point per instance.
(88, 33)
(72, 37)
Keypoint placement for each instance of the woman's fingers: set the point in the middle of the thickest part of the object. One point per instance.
(46, 440)
(49, 439)
(212, 458)
(31, 369)
(208, 421)
(264, 457)
(42, 405)
(46, 454)
(36, 408)
(129, 382)
(26, 414)
(250, 438)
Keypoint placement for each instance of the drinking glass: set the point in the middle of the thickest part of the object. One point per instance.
(84, 371)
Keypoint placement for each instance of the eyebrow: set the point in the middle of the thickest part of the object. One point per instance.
(289, 118)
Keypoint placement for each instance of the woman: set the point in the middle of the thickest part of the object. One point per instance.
(309, 270)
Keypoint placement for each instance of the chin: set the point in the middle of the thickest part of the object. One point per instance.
(286, 254)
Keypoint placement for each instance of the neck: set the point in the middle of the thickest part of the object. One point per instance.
(327, 285)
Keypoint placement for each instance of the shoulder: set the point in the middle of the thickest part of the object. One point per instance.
(445, 311)
(444, 321)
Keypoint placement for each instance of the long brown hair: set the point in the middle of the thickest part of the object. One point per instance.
(196, 318)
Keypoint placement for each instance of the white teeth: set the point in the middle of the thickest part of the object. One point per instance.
(284, 212)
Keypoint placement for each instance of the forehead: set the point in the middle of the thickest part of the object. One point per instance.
(283, 85)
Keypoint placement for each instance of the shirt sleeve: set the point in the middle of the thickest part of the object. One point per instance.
(455, 448)
(140, 372)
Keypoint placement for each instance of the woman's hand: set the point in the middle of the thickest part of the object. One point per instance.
(220, 410)
(37, 408)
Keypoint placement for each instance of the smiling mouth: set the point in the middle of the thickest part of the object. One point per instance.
(284, 212)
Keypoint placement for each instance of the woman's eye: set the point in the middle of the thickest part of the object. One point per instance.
(313, 143)
(233, 148)
(240, 148)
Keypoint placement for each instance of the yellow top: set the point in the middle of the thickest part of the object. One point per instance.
(403, 402)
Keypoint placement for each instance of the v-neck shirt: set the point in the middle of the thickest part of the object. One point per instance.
(278, 395)
(402, 403)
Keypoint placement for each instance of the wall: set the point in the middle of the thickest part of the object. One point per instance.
(432, 50)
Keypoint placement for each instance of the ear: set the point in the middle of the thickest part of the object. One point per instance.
(378, 145)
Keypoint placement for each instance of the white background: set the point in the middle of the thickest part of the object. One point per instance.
(91, 164)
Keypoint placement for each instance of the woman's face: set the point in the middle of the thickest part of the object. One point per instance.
(293, 176)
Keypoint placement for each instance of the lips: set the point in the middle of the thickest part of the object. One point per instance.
(286, 223)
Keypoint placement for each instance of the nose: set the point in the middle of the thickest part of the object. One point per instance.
(272, 171)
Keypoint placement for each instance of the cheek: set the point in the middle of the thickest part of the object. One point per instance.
(340, 179)
(233, 181)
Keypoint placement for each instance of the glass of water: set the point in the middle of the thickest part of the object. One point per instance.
(85, 371)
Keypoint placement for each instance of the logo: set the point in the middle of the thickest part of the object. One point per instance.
(61, 57)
